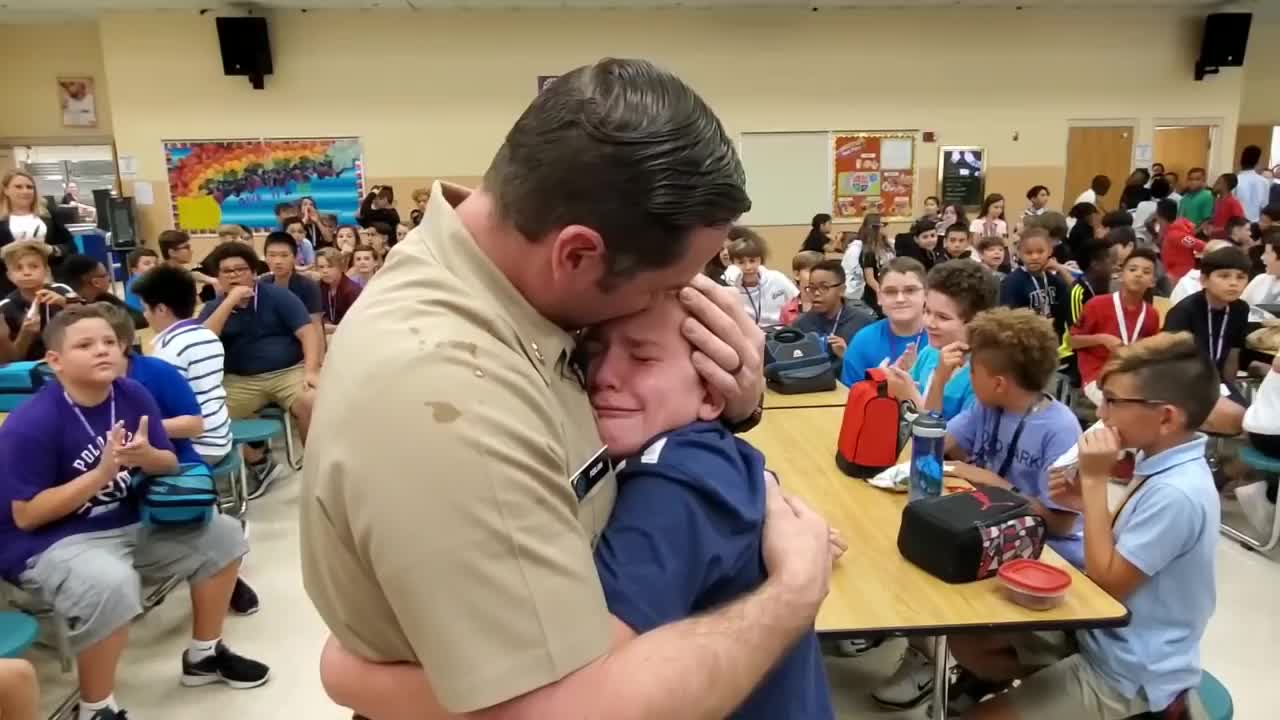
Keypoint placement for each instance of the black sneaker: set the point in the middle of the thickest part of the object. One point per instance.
(104, 714)
(244, 601)
(262, 476)
(224, 666)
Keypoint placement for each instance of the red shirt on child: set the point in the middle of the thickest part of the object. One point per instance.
(1179, 248)
(1226, 208)
(1099, 318)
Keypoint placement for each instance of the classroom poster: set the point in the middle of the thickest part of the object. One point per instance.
(212, 182)
(873, 173)
(962, 176)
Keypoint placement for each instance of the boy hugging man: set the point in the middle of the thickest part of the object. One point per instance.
(28, 309)
(1155, 554)
(685, 534)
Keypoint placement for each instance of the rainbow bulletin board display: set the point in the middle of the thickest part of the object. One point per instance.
(872, 172)
(212, 182)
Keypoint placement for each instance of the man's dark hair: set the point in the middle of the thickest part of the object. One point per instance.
(135, 256)
(1121, 236)
(279, 238)
(1093, 251)
(1167, 210)
(76, 269)
(1143, 253)
(832, 266)
(626, 149)
(1227, 258)
(1160, 188)
(972, 287)
(1250, 157)
(226, 251)
(170, 240)
(1100, 184)
(1117, 218)
(172, 287)
(1035, 190)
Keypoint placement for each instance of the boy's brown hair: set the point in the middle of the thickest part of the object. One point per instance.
(746, 243)
(1019, 344)
(989, 242)
(805, 260)
(120, 322)
(972, 287)
(335, 257)
(135, 256)
(1035, 233)
(56, 330)
(15, 251)
(1168, 368)
(905, 265)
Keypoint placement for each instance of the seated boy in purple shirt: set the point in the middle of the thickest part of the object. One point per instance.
(70, 461)
(685, 534)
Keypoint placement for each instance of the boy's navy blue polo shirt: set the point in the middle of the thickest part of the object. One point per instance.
(685, 537)
(259, 337)
(303, 288)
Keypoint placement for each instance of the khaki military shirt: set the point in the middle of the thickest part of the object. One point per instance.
(455, 483)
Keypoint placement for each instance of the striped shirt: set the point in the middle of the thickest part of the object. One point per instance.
(197, 353)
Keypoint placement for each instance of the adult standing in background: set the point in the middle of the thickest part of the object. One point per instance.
(610, 191)
(24, 216)
(1252, 190)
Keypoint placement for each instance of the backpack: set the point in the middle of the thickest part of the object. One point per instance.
(797, 362)
(185, 498)
(20, 380)
(967, 536)
(869, 438)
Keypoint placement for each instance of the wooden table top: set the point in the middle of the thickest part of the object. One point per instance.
(827, 398)
(873, 588)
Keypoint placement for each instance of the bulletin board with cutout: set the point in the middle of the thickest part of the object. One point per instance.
(872, 172)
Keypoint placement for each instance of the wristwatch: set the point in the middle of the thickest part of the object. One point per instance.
(749, 422)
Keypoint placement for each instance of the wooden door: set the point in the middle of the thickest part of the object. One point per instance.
(1259, 135)
(1097, 151)
(1182, 148)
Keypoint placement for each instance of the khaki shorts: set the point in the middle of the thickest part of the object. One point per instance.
(1069, 688)
(247, 394)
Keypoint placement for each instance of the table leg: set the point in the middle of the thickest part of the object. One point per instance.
(941, 678)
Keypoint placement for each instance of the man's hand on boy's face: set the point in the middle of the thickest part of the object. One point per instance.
(1099, 450)
(728, 348)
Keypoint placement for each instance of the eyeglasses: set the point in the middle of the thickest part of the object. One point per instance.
(818, 288)
(908, 293)
(1109, 400)
(233, 271)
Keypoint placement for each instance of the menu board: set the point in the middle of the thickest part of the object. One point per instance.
(962, 176)
(872, 173)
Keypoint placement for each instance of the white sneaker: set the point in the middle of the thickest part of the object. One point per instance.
(1260, 511)
(910, 684)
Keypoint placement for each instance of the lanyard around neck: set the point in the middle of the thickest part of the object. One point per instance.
(989, 450)
(1222, 334)
(1043, 291)
(757, 305)
(1125, 339)
(93, 436)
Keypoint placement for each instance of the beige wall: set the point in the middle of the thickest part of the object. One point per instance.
(32, 58)
(432, 93)
(1260, 101)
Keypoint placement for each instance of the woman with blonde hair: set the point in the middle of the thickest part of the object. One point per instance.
(25, 216)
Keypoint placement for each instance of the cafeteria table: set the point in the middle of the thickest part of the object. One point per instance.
(874, 590)
(825, 398)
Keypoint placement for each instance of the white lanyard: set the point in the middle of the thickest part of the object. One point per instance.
(1142, 316)
(93, 436)
(836, 324)
(1222, 334)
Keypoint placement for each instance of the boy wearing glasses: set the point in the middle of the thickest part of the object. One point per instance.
(175, 250)
(830, 317)
(901, 333)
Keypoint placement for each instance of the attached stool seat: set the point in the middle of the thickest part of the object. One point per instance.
(232, 469)
(1255, 459)
(18, 632)
(1269, 468)
(1216, 699)
(255, 430)
(291, 453)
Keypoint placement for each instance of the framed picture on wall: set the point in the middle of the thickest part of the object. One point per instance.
(77, 102)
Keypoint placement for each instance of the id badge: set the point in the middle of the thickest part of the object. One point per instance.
(591, 473)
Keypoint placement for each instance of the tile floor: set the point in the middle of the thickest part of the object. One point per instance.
(1241, 646)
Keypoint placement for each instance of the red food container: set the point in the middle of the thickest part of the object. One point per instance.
(1034, 584)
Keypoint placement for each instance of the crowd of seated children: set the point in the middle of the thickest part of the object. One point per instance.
(88, 279)
(1037, 283)
(938, 381)
(1111, 321)
(1196, 205)
(69, 525)
(272, 350)
(990, 221)
(801, 263)
(1008, 437)
(35, 301)
(1037, 201)
(1190, 283)
(830, 317)
(379, 206)
(764, 292)
(900, 332)
(994, 255)
(364, 264)
(1155, 554)
(138, 261)
(337, 291)
(181, 414)
(956, 243)
(819, 236)
(305, 257)
(1219, 319)
(921, 244)
(282, 261)
(1264, 288)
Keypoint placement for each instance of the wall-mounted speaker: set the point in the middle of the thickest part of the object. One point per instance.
(1226, 36)
(246, 48)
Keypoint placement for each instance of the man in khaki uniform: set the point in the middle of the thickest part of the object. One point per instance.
(455, 483)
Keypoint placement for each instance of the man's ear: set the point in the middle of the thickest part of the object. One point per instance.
(712, 404)
(577, 249)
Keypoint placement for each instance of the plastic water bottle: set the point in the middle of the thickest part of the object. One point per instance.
(928, 434)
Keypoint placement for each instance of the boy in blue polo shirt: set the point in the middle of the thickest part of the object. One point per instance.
(900, 333)
(1156, 556)
(685, 534)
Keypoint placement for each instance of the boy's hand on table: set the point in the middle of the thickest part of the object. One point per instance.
(975, 474)
(837, 543)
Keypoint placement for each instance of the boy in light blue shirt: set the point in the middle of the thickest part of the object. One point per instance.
(1157, 556)
(900, 333)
